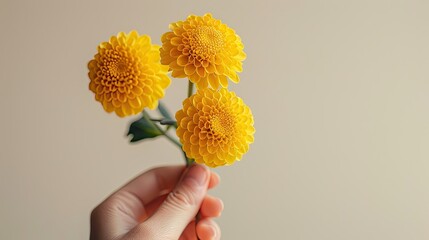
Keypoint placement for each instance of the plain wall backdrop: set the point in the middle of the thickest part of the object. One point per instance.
(339, 91)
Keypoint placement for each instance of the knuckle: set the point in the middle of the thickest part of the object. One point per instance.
(95, 213)
(181, 199)
(103, 210)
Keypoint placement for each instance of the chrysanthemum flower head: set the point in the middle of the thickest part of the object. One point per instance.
(204, 50)
(215, 127)
(126, 74)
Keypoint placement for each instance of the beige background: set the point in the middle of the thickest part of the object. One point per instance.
(339, 91)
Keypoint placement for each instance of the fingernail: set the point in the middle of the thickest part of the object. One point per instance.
(197, 174)
(214, 232)
(222, 206)
(211, 231)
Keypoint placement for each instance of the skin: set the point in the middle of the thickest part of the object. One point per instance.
(161, 203)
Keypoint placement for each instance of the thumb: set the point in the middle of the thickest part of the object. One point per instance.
(180, 207)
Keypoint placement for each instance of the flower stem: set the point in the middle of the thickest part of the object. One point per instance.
(168, 136)
(173, 140)
(189, 161)
(190, 88)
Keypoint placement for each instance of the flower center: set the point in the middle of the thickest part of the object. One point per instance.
(117, 68)
(205, 42)
(222, 124)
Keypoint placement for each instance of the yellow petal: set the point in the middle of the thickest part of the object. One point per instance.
(234, 77)
(135, 103)
(182, 60)
(174, 52)
(136, 90)
(108, 107)
(210, 68)
(176, 41)
(116, 103)
(202, 84)
(122, 98)
(223, 81)
(219, 69)
(214, 81)
(195, 78)
(190, 69)
(119, 112)
(178, 73)
(201, 71)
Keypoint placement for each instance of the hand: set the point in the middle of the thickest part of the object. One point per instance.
(162, 203)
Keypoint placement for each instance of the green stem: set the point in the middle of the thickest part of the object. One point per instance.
(189, 161)
(190, 88)
(156, 119)
(173, 140)
(190, 92)
(164, 121)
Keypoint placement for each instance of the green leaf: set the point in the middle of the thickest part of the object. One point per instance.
(143, 129)
(168, 119)
(164, 111)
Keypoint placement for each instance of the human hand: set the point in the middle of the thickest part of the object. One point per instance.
(160, 204)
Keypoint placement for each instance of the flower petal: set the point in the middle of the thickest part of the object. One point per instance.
(182, 60)
(190, 69)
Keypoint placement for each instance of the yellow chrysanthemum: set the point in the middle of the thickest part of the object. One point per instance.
(126, 74)
(215, 127)
(203, 49)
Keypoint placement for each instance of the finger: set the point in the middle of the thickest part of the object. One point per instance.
(151, 207)
(180, 207)
(189, 233)
(214, 180)
(207, 229)
(211, 207)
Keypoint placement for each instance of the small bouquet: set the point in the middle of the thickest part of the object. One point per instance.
(128, 76)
